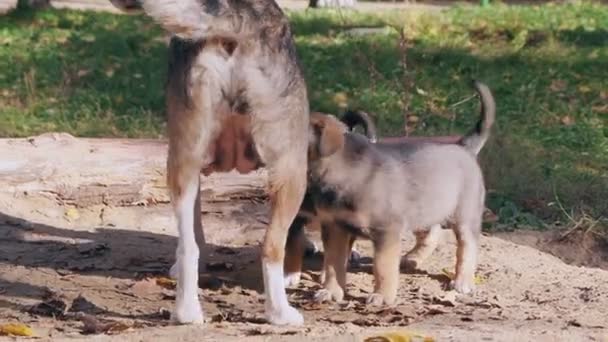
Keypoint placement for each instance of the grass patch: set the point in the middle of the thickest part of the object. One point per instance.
(99, 74)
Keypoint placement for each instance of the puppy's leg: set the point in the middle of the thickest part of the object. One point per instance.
(387, 252)
(294, 252)
(336, 246)
(426, 242)
(467, 235)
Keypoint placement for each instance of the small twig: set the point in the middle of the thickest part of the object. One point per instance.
(463, 101)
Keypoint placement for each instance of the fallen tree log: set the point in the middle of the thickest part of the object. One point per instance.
(121, 172)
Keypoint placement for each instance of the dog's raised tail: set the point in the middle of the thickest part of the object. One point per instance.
(187, 19)
(352, 118)
(476, 139)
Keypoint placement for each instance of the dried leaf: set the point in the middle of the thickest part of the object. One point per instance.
(146, 288)
(567, 120)
(72, 214)
(165, 282)
(478, 279)
(558, 85)
(420, 91)
(89, 38)
(449, 299)
(52, 307)
(583, 88)
(15, 329)
(412, 118)
(109, 72)
(402, 336)
(82, 72)
(341, 99)
(94, 326)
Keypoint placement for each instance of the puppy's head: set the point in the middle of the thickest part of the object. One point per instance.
(326, 136)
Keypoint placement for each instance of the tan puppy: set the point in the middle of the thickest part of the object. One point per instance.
(236, 98)
(426, 240)
(376, 191)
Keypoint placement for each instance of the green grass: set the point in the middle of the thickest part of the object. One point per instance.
(96, 74)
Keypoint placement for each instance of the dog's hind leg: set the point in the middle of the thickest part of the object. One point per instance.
(426, 242)
(283, 150)
(193, 123)
(467, 235)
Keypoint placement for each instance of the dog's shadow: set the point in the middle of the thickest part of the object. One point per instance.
(116, 253)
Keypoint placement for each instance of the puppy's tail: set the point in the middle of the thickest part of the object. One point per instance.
(476, 139)
(199, 19)
(352, 118)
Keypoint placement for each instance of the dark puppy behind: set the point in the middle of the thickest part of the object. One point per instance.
(376, 191)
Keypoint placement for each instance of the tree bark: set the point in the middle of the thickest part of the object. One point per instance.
(120, 172)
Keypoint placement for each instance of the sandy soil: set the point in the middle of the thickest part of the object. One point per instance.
(69, 272)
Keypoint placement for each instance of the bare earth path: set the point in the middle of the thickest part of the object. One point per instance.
(85, 228)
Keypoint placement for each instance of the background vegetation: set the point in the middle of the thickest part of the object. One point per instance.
(99, 74)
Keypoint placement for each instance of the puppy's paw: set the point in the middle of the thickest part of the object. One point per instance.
(355, 258)
(410, 263)
(463, 286)
(310, 249)
(292, 279)
(285, 316)
(188, 312)
(328, 295)
(375, 299)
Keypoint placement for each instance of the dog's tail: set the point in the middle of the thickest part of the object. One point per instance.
(476, 139)
(199, 19)
(352, 118)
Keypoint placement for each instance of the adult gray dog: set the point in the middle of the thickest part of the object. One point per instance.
(236, 99)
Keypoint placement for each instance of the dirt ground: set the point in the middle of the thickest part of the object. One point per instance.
(69, 272)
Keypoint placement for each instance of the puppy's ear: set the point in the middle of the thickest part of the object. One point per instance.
(327, 135)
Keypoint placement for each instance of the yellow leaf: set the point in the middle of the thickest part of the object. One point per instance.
(403, 336)
(477, 279)
(341, 99)
(16, 329)
(448, 274)
(567, 120)
(584, 88)
(72, 214)
(165, 282)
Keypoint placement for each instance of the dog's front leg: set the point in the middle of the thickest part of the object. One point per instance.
(336, 246)
(387, 252)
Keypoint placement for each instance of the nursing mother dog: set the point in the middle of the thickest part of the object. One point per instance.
(232, 65)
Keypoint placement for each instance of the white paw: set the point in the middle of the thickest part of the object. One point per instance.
(286, 316)
(292, 279)
(375, 299)
(188, 312)
(462, 286)
(173, 271)
(325, 295)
